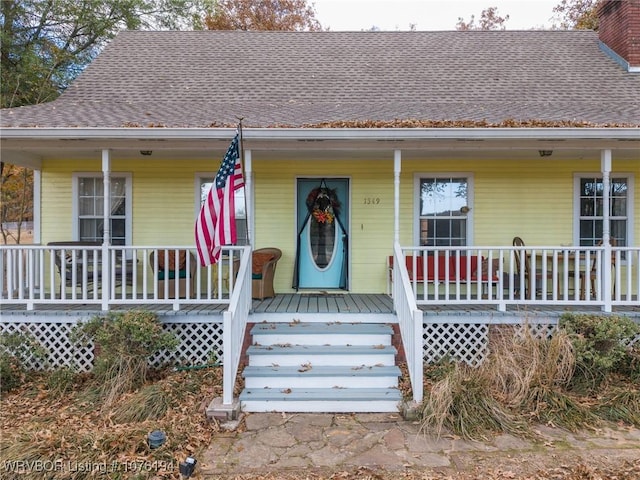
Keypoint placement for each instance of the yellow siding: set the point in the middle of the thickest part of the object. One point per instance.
(510, 198)
(163, 200)
(371, 232)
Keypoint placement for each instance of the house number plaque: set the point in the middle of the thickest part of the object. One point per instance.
(371, 200)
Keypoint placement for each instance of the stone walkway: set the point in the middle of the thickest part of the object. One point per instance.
(271, 442)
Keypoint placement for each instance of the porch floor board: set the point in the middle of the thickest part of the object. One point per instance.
(324, 303)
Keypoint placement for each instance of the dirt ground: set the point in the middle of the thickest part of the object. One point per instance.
(606, 464)
(610, 466)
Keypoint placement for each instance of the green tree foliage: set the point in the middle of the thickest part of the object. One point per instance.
(283, 15)
(489, 20)
(46, 43)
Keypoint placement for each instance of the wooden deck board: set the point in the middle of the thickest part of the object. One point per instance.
(311, 303)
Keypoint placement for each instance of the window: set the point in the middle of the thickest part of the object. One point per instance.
(205, 183)
(443, 211)
(590, 207)
(89, 205)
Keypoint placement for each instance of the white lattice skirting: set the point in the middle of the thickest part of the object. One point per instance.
(466, 342)
(200, 344)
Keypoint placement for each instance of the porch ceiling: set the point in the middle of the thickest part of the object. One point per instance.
(29, 146)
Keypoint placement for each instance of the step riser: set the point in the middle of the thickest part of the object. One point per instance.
(327, 339)
(320, 382)
(314, 406)
(346, 367)
(260, 360)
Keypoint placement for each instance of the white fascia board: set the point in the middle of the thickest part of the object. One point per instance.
(323, 133)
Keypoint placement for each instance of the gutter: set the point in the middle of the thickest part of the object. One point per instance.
(320, 134)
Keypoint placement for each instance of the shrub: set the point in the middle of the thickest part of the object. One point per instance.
(603, 346)
(17, 351)
(124, 342)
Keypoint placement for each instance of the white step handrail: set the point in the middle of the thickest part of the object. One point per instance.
(410, 320)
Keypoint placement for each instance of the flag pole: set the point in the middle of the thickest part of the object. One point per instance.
(246, 198)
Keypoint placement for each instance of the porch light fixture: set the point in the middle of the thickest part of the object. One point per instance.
(146, 153)
(545, 153)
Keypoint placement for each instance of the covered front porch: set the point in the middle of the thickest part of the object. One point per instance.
(437, 313)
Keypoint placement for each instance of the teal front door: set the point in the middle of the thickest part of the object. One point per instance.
(323, 233)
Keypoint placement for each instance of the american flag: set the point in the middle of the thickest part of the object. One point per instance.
(216, 223)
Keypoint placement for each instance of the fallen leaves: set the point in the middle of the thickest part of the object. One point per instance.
(36, 425)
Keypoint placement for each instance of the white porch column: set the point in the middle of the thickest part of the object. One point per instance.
(397, 168)
(248, 196)
(605, 165)
(37, 206)
(106, 232)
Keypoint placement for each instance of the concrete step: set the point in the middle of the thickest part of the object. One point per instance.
(321, 400)
(327, 355)
(312, 376)
(333, 333)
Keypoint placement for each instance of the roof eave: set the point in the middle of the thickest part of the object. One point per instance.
(310, 134)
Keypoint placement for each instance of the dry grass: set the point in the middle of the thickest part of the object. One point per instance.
(462, 402)
(524, 381)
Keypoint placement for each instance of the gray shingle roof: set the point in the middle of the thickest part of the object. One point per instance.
(205, 78)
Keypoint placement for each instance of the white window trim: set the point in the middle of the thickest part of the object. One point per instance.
(197, 182)
(630, 202)
(128, 209)
(416, 201)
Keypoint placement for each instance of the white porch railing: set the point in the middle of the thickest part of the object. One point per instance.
(534, 275)
(235, 324)
(603, 276)
(105, 276)
(410, 322)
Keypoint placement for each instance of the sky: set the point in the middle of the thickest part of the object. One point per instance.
(428, 14)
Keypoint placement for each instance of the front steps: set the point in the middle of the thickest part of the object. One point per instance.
(321, 367)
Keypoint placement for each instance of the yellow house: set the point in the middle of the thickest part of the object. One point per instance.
(394, 171)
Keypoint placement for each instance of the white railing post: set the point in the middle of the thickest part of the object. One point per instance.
(418, 357)
(607, 265)
(234, 324)
(228, 375)
(409, 321)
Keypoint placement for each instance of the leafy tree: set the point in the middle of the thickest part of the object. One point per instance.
(282, 15)
(46, 43)
(16, 197)
(577, 14)
(489, 20)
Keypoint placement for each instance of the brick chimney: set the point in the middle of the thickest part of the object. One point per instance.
(619, 30)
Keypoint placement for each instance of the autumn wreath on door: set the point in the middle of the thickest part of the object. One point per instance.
(324, 206)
